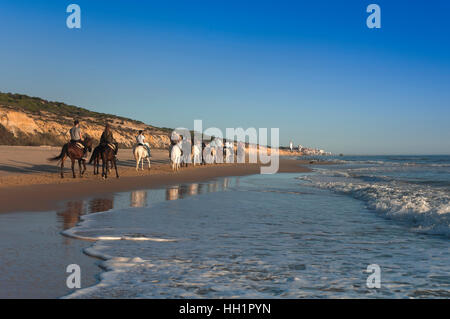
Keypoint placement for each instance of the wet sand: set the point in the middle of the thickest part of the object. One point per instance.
(33, 184)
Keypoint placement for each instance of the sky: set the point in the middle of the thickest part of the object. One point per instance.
(313, 69)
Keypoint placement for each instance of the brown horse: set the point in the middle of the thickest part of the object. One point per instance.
(74, 152)
(96, 157)
(108, 154)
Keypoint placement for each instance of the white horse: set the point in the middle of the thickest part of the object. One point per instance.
(186, 148)
(140, 152)
(229, 152)
(210, 152)
(197, 151)
(175, 157)
(241, 153)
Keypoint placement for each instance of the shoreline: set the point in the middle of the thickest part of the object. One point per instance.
(44, 197)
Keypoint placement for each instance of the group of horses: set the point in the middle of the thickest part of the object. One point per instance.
(180, 154)
(76, 151)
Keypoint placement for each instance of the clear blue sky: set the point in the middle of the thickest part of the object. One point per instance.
(311, 68)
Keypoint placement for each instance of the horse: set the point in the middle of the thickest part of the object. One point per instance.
(229, 154)
(96, 157)
(175, 156)
(210, 154)
(108, 154)
(140, 152)
(240, 153)
(197, 151)
(186, 153)
(74, 151)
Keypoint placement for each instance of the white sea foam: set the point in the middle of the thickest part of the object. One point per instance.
(83, 228)
(426, 207)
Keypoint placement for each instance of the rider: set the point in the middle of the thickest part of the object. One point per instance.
(75, 135)
(140, 139)
(75, 132)
(107, 138)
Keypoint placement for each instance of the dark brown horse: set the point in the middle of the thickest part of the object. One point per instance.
(95, 159)
(74, 152)
(108, 154)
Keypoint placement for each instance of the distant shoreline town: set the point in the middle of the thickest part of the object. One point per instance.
(306, 151)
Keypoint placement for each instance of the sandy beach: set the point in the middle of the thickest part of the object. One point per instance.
(25, 173)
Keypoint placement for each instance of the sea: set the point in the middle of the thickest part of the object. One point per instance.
(330, 233)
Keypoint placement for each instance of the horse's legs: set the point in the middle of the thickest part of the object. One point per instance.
(84, 167)
(142, 163)
(104, 172)
(149, 165)
(79, 166)
(62, 166)
(115, 166)
(137, 163)
(73, 167)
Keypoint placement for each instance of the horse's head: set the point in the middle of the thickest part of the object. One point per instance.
(88, 141)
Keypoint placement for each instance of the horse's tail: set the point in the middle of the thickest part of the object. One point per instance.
(94, 155)
(60, 156)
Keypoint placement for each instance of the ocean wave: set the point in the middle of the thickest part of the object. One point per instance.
(426, 208)
(391, 163)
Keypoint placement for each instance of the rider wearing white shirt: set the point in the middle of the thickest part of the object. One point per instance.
(140, 139)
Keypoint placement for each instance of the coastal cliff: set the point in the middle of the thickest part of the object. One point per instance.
(28, 120)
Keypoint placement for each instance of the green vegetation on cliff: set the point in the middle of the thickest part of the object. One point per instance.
(35, 105)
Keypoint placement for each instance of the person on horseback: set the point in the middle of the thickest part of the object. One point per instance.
(75, 135)
(107, 138)
(75, 132)
(140, 139)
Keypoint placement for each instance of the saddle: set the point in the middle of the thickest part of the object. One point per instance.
(77, 144)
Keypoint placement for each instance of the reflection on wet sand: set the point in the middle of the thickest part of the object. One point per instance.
(193, 189)
(69, 216)
(181, 191)
(71, 213)
(173, 193)
(138, 199)
(101, 204)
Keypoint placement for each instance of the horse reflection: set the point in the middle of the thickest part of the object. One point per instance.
(138, 199)
(101, 204)
(71, 213)
(193, 189)
(178, 192)
(172, 193)
(225, 183)
(213, 187)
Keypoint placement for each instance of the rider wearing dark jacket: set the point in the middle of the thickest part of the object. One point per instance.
(107, 138)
